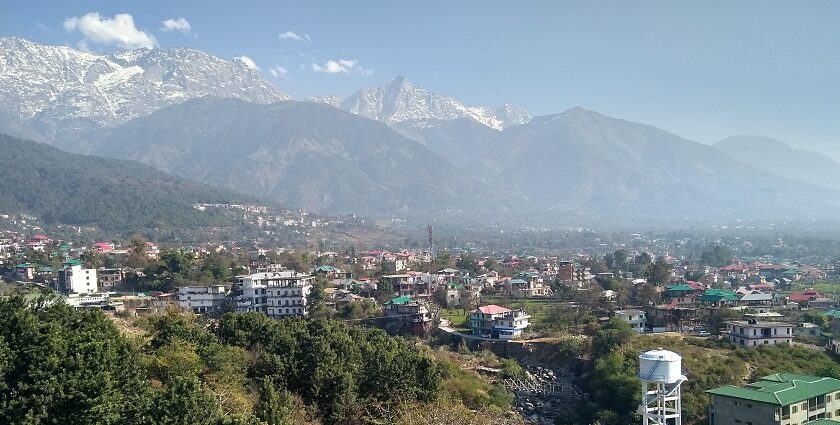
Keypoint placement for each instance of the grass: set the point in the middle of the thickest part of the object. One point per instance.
(458, 316)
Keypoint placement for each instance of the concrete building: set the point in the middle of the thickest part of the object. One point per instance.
(410, 314)
(636, 318)
(109, 278)
(202, 299)
(752, 333)
(277, 294)
(781, 399)
(492, 321)
(74, 279)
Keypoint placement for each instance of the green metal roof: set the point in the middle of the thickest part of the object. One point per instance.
(718, 294)
(517, 282)
(72, 263)
(405, 299)
(833, 314)
(781, 389)
(322, 269)
(679, 288)
(24, 265)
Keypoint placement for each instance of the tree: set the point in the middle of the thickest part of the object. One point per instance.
(717, 256)
(273, 406)
(645, 294)
(658, 272)
(611, 336)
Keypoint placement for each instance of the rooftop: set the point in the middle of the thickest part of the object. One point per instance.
(781, 389)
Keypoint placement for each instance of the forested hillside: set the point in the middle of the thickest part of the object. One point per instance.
(123, 196)
(59, 365)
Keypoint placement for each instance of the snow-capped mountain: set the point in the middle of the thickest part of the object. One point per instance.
(61, 87)
(403, 101)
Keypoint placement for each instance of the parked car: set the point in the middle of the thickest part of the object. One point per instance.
(704, 334)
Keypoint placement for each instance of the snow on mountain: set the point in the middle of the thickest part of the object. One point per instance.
(62, 86)
(403, 101)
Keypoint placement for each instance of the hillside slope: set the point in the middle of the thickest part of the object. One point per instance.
(782, 159)
(114, 195)
(302, 154)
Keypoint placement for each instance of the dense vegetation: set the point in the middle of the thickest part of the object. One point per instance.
(122, 196)
(59, 365)
(707, 364)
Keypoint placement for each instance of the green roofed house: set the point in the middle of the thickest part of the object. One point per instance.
(783, 399)
(719, 298)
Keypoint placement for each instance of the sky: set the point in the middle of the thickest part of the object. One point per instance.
(704, 69)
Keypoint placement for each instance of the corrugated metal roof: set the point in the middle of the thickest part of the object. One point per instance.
(781, 389)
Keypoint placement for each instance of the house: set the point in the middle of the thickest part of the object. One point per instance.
(684, 293)
(202, 299)
(808, 330)
(410, 314)
(781, 399)
(753, 333)
(332, 273)
(277, 294)
(756, 300)
(109, 278)
(803, 297)
(25, 271)
(492, 321)
(666, 317)
(74, 279)
(527, 285)
(717, 298)
(636, 318)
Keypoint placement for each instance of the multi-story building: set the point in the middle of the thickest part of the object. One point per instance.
(202, 299)
(109, 278)
(752, 333)
(410, 314)
(492, 321)
(636, 318)
(528, 285)
(277, 294)
(74, 279)
(780, 399)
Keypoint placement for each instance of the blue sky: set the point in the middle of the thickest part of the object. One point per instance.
(704, 69)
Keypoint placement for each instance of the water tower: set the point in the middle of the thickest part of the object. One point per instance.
(661, 374)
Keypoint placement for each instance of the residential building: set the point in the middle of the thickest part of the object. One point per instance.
(410, 314)
(74, 279)
(109, 278)
(780, 399)
(277, 294)
(808, 330)
(637, 319)
(26, 271)
(202, 299)
(492, 321)
(752, 333)
(527, 285)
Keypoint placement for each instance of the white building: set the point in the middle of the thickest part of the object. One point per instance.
(77, 280)
(752, 333)
(202, 299)
(277, 294)
(636, 318)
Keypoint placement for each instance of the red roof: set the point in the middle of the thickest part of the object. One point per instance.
(807, 295)
(493, 309)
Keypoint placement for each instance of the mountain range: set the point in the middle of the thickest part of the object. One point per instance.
(395, 149)
(301, 154)
(780, 158)
(402, 101)
(48, 91)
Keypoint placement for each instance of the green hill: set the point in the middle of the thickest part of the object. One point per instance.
(113, 195)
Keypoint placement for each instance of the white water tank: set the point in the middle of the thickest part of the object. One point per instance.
(660, 366)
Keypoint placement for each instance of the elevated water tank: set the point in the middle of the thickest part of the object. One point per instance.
(660, 366)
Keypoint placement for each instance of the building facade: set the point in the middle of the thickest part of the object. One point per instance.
(780, 399)
(75, 279)
(492, 321)
(637, 319)
(753, 333)
(202, 299)
(277, 294)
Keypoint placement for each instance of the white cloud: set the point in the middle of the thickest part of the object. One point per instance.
(248, 62)
(278, 71)
(179, 24)
(289, 35)
(341, 66)
(119, 31)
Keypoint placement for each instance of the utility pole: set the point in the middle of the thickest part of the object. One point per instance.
(431, 250)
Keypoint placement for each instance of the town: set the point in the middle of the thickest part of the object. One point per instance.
(469, 300)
